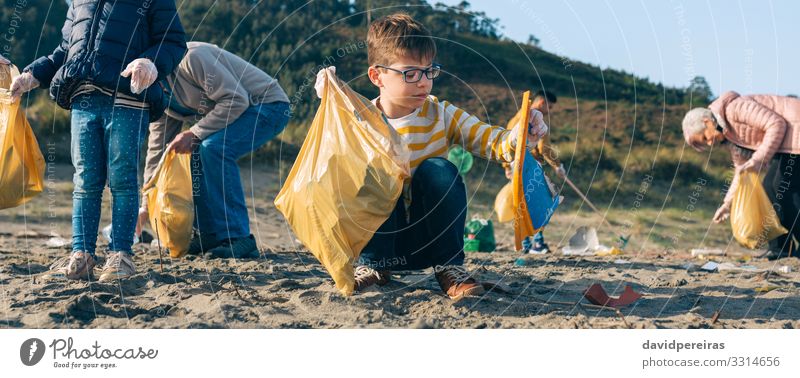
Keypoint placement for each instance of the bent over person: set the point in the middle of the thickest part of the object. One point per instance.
(233, 109)
(763, 134)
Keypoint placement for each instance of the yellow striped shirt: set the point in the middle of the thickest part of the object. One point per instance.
(430, 131)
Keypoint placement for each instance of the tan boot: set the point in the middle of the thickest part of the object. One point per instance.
(457, 282)
(366, 277)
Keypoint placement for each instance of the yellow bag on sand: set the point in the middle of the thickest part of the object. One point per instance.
(21, 162)
(504, 204)
(169, 202)
(753, 220)
(346, 180)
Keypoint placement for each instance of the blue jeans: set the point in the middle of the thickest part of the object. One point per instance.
(219, 199)
(105, 148)
(434, 235)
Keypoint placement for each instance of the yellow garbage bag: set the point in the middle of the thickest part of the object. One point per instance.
(504, 204)
(169, 202)
(21, 161)
(753, 219)
(346, 180)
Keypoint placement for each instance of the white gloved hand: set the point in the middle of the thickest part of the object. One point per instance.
(3, 60)
(561, 172)
(537, 129)
(319, 85)
(22, 84)
(143, 74)
(722, 214)
(141, 220)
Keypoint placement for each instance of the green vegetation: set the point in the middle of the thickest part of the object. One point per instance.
(612, 128)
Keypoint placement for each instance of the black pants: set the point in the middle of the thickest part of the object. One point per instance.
(435, 233)
(782, 184)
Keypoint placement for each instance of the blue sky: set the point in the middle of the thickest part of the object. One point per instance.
(750, 46)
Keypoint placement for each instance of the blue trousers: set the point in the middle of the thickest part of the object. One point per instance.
(432, 233)
(105, 148)
(219, 199)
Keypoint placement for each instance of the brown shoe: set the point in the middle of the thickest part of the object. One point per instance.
(456, 281)
(366, 277)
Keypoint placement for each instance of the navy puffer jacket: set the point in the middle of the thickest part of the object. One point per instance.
(100, 38)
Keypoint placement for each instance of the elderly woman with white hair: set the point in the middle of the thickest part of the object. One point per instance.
(763, 134)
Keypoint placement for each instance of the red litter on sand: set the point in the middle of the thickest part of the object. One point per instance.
(598, 296)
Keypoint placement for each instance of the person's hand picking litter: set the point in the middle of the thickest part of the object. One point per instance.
(750, 165)
(22, 84)
(319, 85)
(184, 142)
(722, 214)
(536, 129)
(143, 74)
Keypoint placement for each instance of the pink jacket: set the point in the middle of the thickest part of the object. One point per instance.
(766, 124)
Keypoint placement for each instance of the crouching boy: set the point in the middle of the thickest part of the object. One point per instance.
(426, 228)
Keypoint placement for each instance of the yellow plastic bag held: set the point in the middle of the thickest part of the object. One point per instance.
(169, 202)
(753, 220)
(21, 162)
(346, 180)
(504, 203)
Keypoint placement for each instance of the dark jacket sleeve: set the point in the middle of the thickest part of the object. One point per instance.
(167, 38)
(44, 68)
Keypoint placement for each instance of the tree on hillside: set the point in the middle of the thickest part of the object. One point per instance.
(699, 91)
(533, 41)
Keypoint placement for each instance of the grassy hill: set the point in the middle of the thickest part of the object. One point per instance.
(612, 128)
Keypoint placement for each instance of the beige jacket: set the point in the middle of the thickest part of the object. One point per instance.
(218, 86)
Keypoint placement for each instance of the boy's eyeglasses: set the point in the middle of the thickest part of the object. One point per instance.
(414, 75)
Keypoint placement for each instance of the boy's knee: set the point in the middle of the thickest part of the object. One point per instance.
(438, 172)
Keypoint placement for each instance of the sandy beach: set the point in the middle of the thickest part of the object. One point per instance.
(287, 288)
